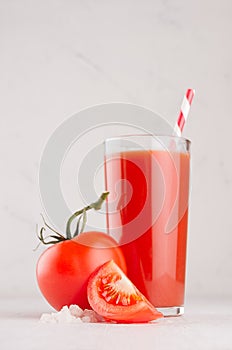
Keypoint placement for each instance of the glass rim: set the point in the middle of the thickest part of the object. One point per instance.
(115, 138)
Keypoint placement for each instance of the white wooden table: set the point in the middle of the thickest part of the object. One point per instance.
(207, 324)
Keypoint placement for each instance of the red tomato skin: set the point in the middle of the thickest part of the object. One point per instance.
(64, 268)
(141, 312)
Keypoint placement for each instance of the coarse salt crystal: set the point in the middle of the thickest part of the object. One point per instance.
(89, 316)
(71, 314)
(75, 310)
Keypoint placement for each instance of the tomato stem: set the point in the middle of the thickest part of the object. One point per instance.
(82, 213)
(50, 228)
(58, 237)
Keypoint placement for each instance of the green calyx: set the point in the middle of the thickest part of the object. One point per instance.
(81, 216)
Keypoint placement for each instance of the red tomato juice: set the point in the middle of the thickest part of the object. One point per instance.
(147, 213)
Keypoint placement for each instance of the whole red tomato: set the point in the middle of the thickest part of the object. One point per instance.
(64, 268)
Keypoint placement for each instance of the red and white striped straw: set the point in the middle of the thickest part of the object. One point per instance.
(184, 111)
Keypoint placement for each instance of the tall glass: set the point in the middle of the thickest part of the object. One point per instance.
(147, 213)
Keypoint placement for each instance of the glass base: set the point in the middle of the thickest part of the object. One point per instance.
(171, 311)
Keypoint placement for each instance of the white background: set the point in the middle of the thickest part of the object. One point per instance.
(58, 57)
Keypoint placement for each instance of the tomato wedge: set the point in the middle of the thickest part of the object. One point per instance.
(112, 295)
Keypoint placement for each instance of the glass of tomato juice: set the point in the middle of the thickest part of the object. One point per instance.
(147, 213)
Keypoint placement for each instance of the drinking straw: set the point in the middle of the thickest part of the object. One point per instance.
(184, 111)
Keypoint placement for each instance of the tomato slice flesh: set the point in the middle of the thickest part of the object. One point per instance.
(112, 295)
